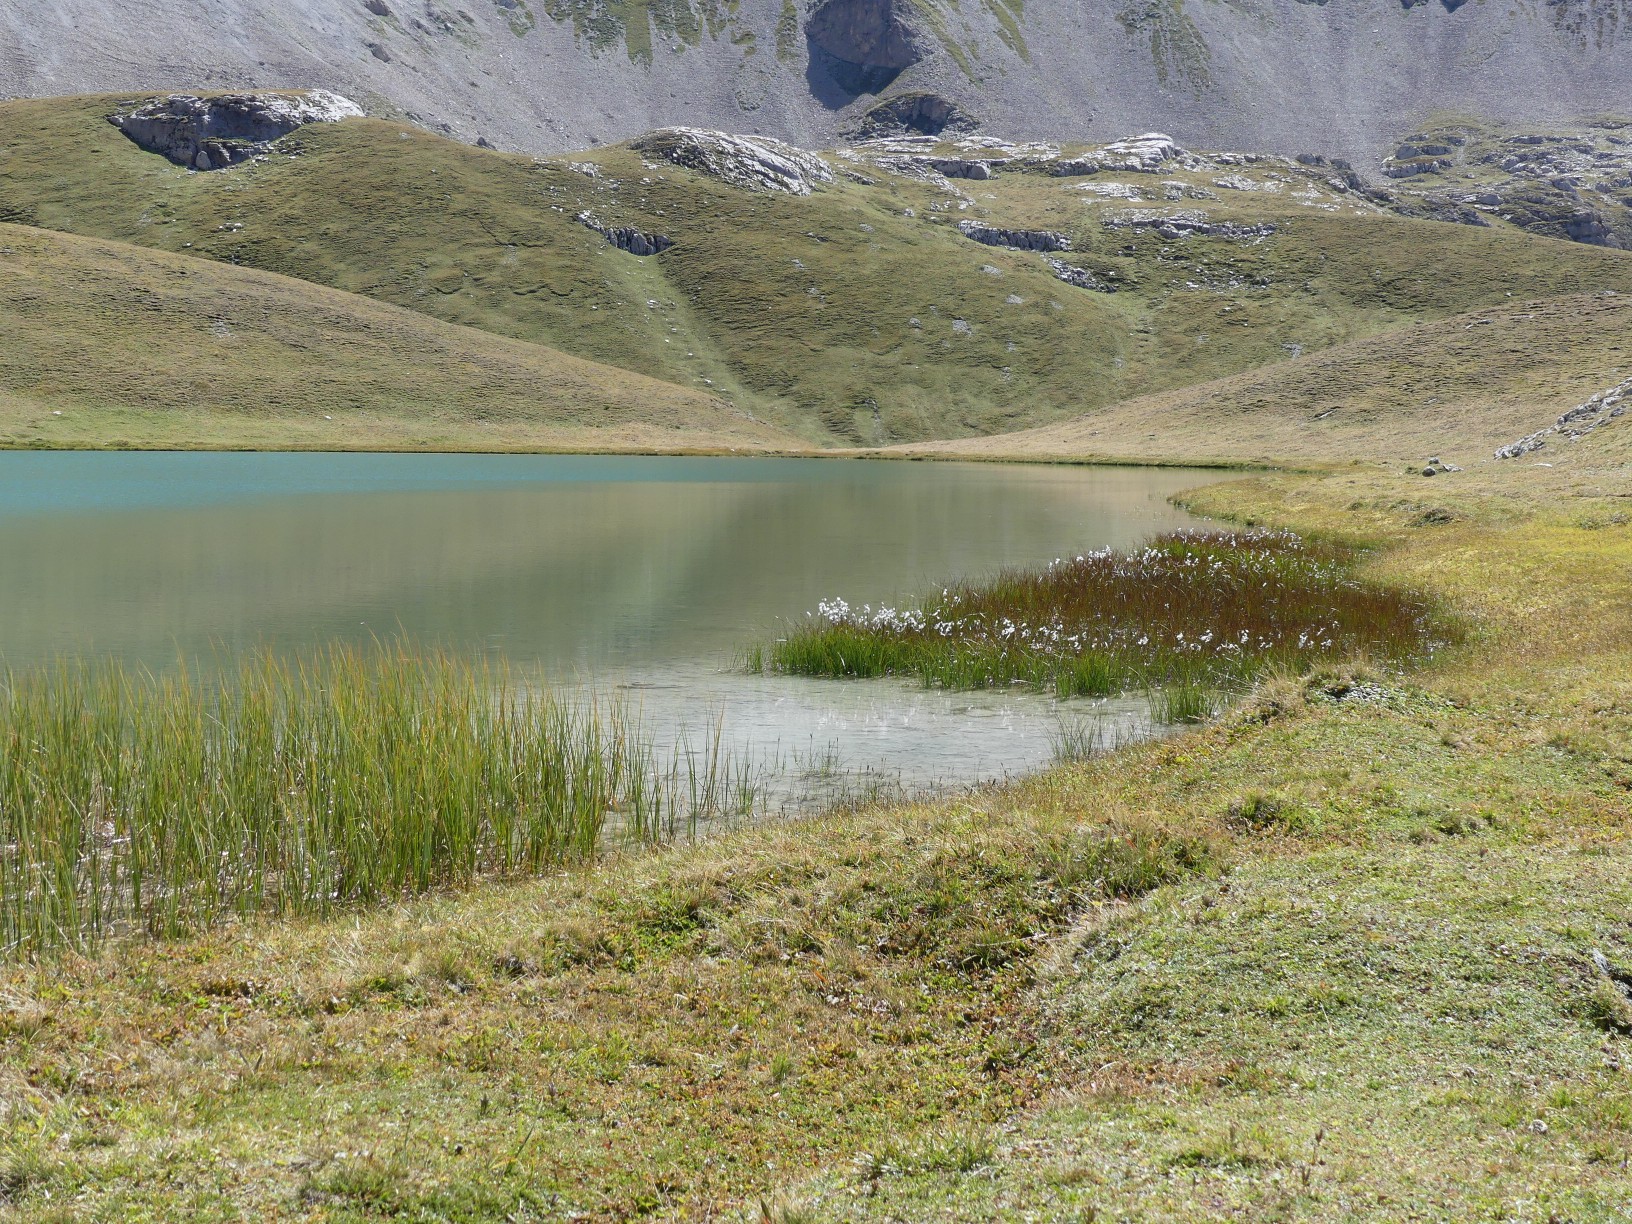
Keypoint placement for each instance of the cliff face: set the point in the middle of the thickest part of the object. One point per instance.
(1349, 77)
(859, 47)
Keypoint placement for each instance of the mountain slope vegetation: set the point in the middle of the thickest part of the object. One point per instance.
(857, 313)
(1458, 388)
(106, 344)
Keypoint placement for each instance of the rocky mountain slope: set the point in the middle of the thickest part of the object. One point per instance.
(1346, 77)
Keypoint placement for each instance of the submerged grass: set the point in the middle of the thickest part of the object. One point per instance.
(133, 802)
(1186, 615)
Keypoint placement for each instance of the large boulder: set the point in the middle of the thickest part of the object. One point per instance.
(212, 133)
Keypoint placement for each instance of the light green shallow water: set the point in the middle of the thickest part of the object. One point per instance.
(641, 574)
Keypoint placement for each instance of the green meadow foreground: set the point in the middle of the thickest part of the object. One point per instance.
(1328, 957)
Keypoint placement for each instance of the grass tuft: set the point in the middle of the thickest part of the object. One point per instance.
(130, 802)
(1183, 702)
(1607, 1007)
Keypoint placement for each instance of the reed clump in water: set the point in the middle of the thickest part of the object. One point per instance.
(1188, 614)
(163, 804)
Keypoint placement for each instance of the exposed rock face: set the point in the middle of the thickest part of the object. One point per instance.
(753, 163)
(924, 113)
(860, 45)
(549, 76)
(1080, 277)
(1186, 225)
(917, 166)
(1579, 421)
(1118, 191)
(1425, 153)
(1018, 240)
(627, 238)
(1046, 241)
(1588, 225)
(960, 168)
(1152, 153)
(216, 132)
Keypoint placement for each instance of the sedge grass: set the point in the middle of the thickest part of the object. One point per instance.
(1187, 615)
(161, 805)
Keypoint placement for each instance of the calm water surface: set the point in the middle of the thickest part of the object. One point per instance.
(643, 575)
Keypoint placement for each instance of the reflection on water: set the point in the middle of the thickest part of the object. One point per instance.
(646, 574)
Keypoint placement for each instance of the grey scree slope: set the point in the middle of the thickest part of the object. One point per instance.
(1333, 76)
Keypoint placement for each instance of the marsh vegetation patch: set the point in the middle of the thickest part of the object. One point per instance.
(1188, 612)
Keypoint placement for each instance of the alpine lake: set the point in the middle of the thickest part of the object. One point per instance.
(628, 579)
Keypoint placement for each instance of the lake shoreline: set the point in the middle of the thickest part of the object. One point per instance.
(1198, 963)
(904, 453)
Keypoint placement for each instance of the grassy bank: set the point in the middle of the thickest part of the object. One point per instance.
(1391, 1008)
(1328, 957)
(1187, 613)
(162, 806)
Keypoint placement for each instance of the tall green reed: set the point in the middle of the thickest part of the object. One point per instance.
(130, 802)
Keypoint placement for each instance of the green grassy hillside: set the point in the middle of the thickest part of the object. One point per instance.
(106, 344)
(855, 314)
(1457, 388)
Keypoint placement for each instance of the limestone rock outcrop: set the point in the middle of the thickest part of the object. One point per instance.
(1080, 277)
(216, 131)
(754, 163)
(975, 169)
(1151, 153)
(1018, 240)
(1573, 184)
(627, 237)
(926, 114)
(1579, 421)
(1175, 225)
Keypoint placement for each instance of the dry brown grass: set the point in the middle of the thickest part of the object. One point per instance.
(1456, 388)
